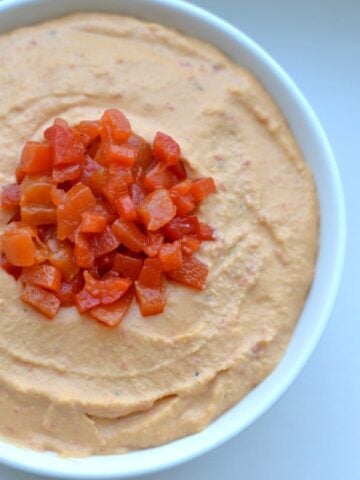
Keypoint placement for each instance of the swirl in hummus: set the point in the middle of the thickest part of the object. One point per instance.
(79, 388)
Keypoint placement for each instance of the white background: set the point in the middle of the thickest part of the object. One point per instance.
(313, 432)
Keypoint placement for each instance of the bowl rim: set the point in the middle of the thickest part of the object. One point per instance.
(159, 458)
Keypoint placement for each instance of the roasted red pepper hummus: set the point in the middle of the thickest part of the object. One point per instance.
(78, 387)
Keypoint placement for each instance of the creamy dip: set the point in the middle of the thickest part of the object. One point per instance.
(76, 387)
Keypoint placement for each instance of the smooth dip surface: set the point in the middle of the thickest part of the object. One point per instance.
(76, 387)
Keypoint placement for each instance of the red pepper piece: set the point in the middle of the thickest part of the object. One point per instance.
(92, 222)
(129, 234)
(9, 267)
(10, 196)
(112, 314)
(193, 273)
(35, 158)
(97, 181)
(36, 190)
(83, 253)
(143, 151)
(89, 167)
(154, 242)
(65, 144)
(17, 245)
(203, 187)
(84, 301)
(68, 290)
(38, 215)
(189, 244)
(114, 188)
(178, 227)
(44, 276)
(165, 149)
(118, 125)
(205, 232)
(88, 131)
(157, 209)
(65, 173)
(104, 242)
(137, 194)
(128, 266)
(123, 155)
(45, 302)
(60, 255)
(159, 177)
(170, 256)
(179, 170)
(182, 197)
(151, 300)
(151, 273)
(78, 200)
(108, 290)
(126, 208)
(105, 263)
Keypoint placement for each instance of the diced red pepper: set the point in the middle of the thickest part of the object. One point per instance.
(35, 158)
(38, 215)
(179, 170)
(44, 276)
(85, 301)
(36, 190)
(123, 155)
(88, 131)
(128, 266)
(157, 209)
(61, 256)
(202, 188)
(65, 173)
(117, 123)
(151, 273)
(9, 267)
(97, 181)
(104, 242)
(109, 290)
(79, 199)
(45, 302)
(193, 273)
(205, 232)
(178, 227)
(159, 177)
(170, 256)
(92, 222)
(65, 144)
(137, 194)
(83, 253)
(165, 149)
(112, 315)
(154, 241)
(68, 290)
(151, 300)
(126, 208)
(96, 204)
(10, 196)
(189, 244)
(105, 263)
(18, 246)
(129, 234)
(143, 151)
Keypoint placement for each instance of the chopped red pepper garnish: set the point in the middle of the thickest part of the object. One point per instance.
(100, 217)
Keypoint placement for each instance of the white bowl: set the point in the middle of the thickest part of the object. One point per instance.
(196, 22)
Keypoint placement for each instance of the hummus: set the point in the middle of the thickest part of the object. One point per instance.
(76, 387)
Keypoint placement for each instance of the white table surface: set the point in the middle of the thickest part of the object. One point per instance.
(313, 432)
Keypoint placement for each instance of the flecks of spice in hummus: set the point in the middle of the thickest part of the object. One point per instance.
(236, 330)
(98, 216)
